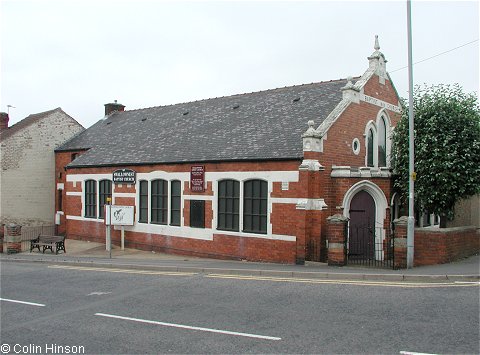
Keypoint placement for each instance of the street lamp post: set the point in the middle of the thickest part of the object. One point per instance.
(411, 166)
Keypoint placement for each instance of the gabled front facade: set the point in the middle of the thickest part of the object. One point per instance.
(275, 165)
(27, 177)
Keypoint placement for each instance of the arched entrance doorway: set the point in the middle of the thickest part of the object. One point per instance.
(361, 244)
(369, 242)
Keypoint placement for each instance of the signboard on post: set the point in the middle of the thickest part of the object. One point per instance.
(124, 176)
(197, 178)
(119, 215)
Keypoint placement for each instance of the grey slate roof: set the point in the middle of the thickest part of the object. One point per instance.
(266, 125)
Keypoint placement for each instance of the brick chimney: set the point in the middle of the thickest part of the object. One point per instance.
(112, 107)
(3, 121)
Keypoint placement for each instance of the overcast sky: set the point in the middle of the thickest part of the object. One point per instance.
(79, 55)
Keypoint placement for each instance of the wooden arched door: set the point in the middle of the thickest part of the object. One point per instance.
(361, 241)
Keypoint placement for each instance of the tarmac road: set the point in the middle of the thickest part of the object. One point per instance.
(117, 311)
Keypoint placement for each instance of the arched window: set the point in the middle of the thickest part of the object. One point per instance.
(90, 199)
(105, 188)
(370, 137)
(255, 195)
(159, 202)
(382, 143)
(228, 205)
(143, 200)
(175, 202)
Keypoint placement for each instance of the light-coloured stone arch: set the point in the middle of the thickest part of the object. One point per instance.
(381, 205)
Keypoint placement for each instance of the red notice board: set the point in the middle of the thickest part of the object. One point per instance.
(197, 178)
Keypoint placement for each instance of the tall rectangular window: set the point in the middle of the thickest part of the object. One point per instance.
(90, 199)
(105, 192)
(382, 143)
(255, 197)
(228, 205)
(370, 147)
(143, 200)
(159, 203)
(175, 202)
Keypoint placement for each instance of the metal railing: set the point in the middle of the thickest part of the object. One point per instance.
(369, 246)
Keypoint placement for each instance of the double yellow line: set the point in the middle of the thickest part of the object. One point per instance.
(125, 271)
(402, 284)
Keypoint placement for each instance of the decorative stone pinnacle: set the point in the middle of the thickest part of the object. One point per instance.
(311, 132)
(349, 84)
(377, 46)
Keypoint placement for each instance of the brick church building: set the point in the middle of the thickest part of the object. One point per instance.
(251, 176)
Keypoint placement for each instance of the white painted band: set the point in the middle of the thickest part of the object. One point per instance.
(189, 327)
(22, 302)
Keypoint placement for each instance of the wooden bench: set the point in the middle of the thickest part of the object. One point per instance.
(48, 242)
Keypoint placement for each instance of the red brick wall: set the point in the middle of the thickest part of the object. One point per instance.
(338, 145)
(439, 246)
(223, 246)
(61, 160)
(338, 149)
(286, 219)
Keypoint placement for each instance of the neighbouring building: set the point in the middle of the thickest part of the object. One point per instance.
(467, 213)
(251, 176)
(27, 155)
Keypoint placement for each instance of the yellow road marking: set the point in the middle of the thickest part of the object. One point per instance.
(125, 271)
(404, 284)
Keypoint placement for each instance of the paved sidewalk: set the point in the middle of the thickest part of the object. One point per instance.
(83, 253)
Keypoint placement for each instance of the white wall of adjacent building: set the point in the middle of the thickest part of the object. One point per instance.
(28, 169)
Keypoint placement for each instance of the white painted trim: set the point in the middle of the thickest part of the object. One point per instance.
(59, 212)
(332, 117)
(289, 200)
(356, 151)
(198, 197)
(185, 231)
(198, 233)
(79, 218)
(83, 177)
(74, 193)
(311, 204)
(364, 172)
(124, 194)
(60, 186)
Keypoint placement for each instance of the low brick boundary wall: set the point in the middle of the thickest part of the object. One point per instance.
(444, 245)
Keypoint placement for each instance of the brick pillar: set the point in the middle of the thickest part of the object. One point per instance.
(337, 237)
(13, 238)
(400, 243)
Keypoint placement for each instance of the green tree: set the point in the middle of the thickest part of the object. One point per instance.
(447, 148)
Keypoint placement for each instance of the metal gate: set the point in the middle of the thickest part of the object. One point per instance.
(370, 246)
(312, 252)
